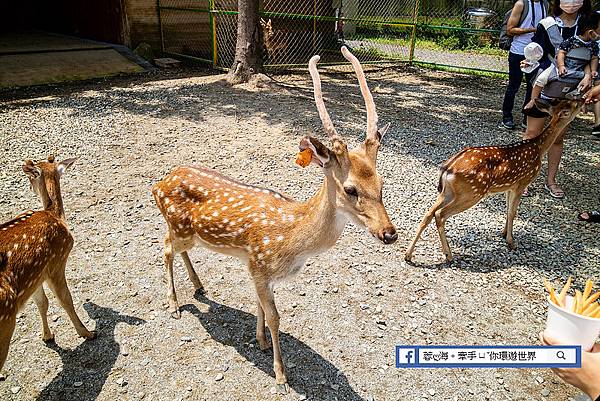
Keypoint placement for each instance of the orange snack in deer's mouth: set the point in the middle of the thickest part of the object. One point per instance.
(304, 157)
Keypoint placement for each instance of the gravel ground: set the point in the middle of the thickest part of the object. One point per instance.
(342, 316)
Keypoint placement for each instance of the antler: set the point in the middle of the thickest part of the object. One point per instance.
(364, 89)
(325, 119)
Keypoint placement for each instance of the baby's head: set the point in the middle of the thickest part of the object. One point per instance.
(588, 27)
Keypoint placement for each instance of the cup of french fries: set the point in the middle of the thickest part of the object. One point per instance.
(573, 320)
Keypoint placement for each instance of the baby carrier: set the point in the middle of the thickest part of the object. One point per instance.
(565, 86)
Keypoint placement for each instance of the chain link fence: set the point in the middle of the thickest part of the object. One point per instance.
(446, 33)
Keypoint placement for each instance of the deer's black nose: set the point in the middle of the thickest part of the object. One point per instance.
(390, 236)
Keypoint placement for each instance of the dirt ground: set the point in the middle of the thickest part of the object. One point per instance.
(343, 314)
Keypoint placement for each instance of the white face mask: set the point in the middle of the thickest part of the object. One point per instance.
(571, 6)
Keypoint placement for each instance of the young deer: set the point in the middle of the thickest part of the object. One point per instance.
(271, 232)
(275, 42)
(474, 173)
(34, 248)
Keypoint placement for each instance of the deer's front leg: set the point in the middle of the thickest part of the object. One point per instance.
(267, 302)
(261, 338)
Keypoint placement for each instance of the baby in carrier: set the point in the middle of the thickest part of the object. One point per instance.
(576, 56)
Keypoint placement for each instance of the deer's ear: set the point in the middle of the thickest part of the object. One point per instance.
(320, 152)
(263, 23)
(30, 170)
(64, 165)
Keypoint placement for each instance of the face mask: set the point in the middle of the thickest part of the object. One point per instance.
(571, 6)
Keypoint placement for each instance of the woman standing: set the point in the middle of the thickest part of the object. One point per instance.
(551, 31)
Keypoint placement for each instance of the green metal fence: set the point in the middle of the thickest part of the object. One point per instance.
(447, 33)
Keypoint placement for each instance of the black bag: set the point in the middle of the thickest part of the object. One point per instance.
(505, 40)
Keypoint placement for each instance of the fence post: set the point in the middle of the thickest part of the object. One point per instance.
(160, 27)
(413, 37)
(213, 31)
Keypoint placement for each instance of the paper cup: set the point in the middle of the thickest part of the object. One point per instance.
(570, 328)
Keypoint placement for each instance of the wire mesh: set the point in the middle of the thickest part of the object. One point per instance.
(461, 34)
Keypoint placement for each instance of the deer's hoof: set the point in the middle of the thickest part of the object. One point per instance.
(283, 388)
(48, 339)
(512, 245)
(263, 344)
(89, 335)
(175, 314)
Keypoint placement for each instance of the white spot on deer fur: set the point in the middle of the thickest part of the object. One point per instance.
(215, 214)
(171, 209)
(260, 256)
(8, 253)
(266, 191)
(245, 208)
(231, 199)
(277, 196)
(16, 246)
(266, 240)
(167, 201)
(264, 222)
(280, 238)
(256, 189)
(224, 208)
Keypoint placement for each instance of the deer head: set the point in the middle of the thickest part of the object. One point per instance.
(357, 183)
(44, 178)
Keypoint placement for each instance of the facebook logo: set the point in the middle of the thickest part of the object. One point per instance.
(406, 356)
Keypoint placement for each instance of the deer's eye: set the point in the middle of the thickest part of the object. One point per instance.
(350, 190)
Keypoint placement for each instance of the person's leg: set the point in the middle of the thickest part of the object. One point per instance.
(515, 75)
(535, 125)
(554, 155)
(529, 79)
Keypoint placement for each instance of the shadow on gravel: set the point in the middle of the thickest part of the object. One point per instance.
(307, 372)
(90, 363)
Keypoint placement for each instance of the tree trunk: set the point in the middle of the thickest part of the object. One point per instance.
(248, 54)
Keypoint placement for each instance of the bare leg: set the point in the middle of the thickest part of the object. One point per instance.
(267, 301)
(261, 338)
(424, 223)
(7, 326)
(191, 272)
(171, 297)
(58, 284)
(596, 113)
(41, 302)
(534, 127)
(554, 155)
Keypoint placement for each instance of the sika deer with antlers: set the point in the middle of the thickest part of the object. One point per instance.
(34, 248)
(271, 232)
(469, 176)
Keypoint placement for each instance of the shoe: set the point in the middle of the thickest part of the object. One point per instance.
(555, 191)
(506, 124)
(596, 131)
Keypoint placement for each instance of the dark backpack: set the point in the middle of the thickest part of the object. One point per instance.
(505, 39)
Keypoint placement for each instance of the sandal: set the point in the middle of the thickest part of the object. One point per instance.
(555, 191)
(593, 216)
(526, 193)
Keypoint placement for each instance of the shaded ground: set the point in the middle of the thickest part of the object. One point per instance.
(342, 316)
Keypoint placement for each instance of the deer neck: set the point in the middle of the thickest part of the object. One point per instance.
(52, 200)
(550, 133)
(322, 215)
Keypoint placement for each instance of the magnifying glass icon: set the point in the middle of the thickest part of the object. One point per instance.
(561, 355)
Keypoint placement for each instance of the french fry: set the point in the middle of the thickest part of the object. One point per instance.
(591, 310)
(551, 291)
(591, 299)
(577, 303)
(589, 284)
(304, 158)
(562, 297)
(597, 314)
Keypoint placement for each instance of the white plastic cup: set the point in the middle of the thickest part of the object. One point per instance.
(570, 328)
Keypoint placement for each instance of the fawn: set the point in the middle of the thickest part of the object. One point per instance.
(275, 42)
(473, 173)
(34, 248)
(272, 233)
